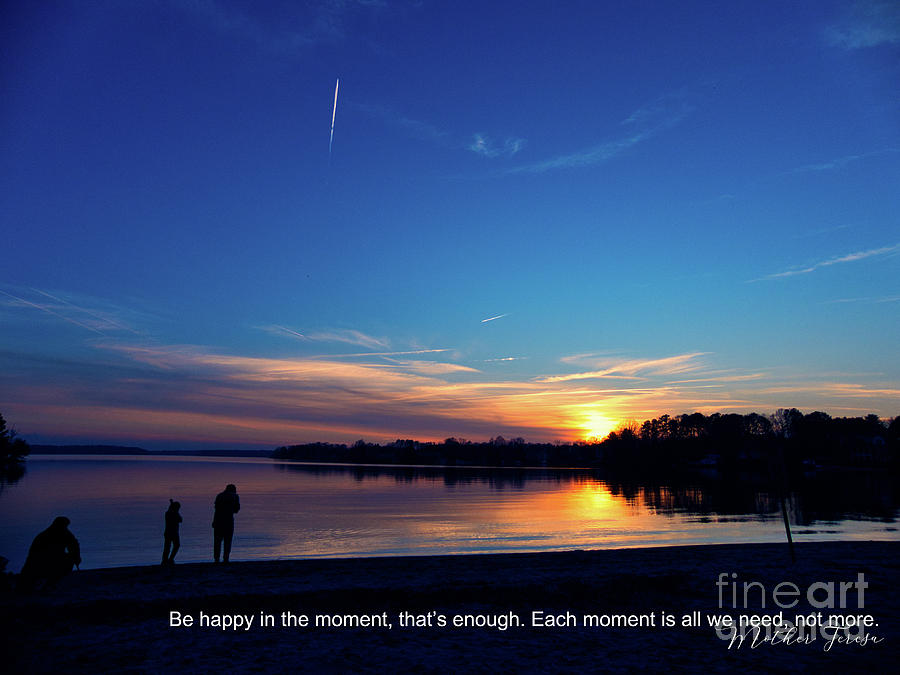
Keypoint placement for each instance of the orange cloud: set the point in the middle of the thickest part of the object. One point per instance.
(193, 394)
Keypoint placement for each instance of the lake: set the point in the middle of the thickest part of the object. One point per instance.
(289, 510)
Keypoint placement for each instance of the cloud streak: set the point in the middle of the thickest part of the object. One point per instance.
(479, 143)
(869, 23)
(850, 257)
(871, 301)
(91, 314)
(187, 393)
(589, 157)
(351, 337)
(411, 351)
(647, 121)
(347, 336)
(286, 28)
(175, 394)
(22, 302)
(417, 129)
(483, 145)
(840, 162)
(631, 369)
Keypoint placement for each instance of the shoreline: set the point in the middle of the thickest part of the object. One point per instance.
(120, 615)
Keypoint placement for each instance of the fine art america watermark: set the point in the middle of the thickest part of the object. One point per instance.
(753, 630)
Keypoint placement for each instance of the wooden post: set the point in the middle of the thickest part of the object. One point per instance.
(784, 491)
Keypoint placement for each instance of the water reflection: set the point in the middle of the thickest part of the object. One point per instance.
(10, 474)
(824, 496)
(292, 510)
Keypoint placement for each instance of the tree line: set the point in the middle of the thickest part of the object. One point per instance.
(720, 440)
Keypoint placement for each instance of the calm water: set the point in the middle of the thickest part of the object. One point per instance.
(116, 505)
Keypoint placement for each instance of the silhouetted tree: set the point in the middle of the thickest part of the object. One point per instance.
(893, 429)
(784, 422)
(12, 455)
(12, 450)
(757, 425)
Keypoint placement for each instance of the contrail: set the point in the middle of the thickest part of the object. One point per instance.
(50, 311)
(86, 311)
(333, 111)
(289, 331)
(494, 318)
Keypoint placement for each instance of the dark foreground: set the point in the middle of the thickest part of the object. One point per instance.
(118, 619)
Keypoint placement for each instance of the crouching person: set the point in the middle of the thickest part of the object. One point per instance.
(53, 554)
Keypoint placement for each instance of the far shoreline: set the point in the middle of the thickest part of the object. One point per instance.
(686, 470)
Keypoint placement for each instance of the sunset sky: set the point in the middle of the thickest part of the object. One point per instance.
(538, 219)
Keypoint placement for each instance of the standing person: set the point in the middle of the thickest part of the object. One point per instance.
(53, 554)
(227, 504)
(172, 540)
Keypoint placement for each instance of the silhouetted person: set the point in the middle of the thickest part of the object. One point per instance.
(227, 504)
(52, 555)
(172, 540)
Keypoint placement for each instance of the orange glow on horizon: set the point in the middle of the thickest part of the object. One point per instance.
(597, 426)
(225, 399)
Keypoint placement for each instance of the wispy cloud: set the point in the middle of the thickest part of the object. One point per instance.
(90, 314)
(415, 128)
(276, 329)
(284, 27)
(22, 302)
(192, 392)
(587, 357)
(104, 319)
(180, 393)
(868, 23)
(850, 257)
(348, 336)
(631, 369)
(485, 146)
(840, 162)
(663, 108)
(848, 390)
(723, 379)
(647, 121)
(821, 231)
(871, 300)
(431, 367)
(479, 143)
(351, 337)
(594, 155)
(410, 352)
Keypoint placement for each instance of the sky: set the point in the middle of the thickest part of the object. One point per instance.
(536, 219)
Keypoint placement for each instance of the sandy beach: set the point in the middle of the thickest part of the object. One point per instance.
(119, 619)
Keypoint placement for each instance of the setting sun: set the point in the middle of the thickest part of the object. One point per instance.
(596, 426)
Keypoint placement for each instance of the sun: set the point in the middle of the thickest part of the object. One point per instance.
(596, 426)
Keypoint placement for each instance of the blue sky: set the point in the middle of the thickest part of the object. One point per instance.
(669, 206)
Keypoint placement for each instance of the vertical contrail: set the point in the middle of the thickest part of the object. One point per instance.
(333, 111)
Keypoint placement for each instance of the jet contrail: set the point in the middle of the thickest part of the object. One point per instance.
(50, 311)
(494, 318)
(333, 111)
(90, 313)
(290, 332)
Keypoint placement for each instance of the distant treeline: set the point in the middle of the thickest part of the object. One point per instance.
(87, 450)
(717, 441)
(131, 450)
